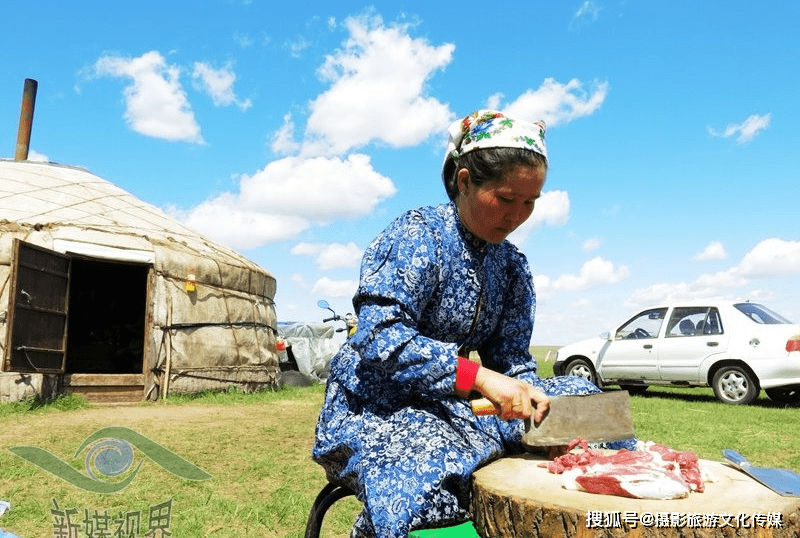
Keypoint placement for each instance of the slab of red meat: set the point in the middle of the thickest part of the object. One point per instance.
(652, 471)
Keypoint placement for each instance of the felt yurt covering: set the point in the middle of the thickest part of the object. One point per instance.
(145, 294)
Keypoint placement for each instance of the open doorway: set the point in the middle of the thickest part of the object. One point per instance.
(106, 324)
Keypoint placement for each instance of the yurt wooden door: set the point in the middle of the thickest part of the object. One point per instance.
(38, 310)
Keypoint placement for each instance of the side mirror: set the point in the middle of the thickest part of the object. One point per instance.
(606, 335)
(322, 303)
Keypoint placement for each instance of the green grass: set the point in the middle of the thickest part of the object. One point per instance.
(257, 448)
(66, 402)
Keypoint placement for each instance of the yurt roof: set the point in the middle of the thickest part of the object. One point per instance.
(80, 212)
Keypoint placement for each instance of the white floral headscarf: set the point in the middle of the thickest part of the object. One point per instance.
(492, 129)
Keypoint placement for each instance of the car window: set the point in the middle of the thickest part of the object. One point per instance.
(760, 314)
(693, 321)
(712, 324)
(646, 324)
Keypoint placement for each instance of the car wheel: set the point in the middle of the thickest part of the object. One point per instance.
(581, 368)
(787, 395)
(734, 385)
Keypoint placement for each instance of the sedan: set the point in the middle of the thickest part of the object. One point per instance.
(736, 348)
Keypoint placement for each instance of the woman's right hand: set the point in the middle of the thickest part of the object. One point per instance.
(513, 398)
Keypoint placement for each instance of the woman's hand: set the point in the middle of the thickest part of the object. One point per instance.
(513, 398)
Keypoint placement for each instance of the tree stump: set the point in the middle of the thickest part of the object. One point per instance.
(517, 498)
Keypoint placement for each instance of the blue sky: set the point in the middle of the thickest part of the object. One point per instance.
(295, 131)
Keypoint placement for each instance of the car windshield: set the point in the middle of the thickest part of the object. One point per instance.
(761, 314)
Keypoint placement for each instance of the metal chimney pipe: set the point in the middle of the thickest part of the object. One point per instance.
(26, 119)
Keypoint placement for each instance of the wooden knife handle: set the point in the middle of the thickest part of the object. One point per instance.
(484, 407)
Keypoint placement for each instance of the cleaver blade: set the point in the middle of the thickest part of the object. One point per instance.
(596, 418)
(782, 481)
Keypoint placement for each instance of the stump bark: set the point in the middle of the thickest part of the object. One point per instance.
(517, 498)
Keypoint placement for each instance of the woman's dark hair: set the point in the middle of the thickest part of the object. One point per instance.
(487, 165)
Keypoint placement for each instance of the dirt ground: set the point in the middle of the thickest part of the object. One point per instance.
(21, 429)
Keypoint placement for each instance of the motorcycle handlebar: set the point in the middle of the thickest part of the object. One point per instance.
(326, 320)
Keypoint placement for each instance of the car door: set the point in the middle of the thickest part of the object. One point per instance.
(632, 354)
(692, 334)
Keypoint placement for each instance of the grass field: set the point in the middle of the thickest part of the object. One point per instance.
(256, 448)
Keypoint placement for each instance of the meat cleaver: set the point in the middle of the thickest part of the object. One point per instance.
(596, 418)
(781, 481)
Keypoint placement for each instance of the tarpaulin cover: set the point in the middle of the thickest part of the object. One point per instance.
(313, 345)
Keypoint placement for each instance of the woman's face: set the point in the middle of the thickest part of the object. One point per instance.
(494, 209)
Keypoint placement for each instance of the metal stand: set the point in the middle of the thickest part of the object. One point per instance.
(329, 495)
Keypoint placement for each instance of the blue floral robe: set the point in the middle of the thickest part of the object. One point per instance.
(391, 427)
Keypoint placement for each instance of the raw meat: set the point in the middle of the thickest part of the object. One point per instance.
(652, 471)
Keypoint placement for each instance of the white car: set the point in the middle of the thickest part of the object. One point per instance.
(736, 348)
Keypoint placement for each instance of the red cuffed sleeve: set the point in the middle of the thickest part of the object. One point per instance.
(465, 376)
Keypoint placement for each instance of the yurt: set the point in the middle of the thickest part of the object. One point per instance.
(106, 295)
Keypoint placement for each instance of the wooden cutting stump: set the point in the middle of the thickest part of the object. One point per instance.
(516, 498)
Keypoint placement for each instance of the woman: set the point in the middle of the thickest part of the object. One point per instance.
(437, 284)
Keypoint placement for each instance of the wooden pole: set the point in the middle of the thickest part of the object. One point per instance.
(168, 339)
(169, 363)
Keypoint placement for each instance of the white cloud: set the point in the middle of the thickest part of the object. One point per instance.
(713, 251)
(591, 244)
(711, 283)
(746, 131)
(771, 257)
(218, 83)
(377, 91)
(283, 140)
(725, 285)
(335, 288)
(557, 103)
(596, 272)
(155, 103)
(223, 220)
(243, 40)
(758, 295)
(289, 195)
(660, 293)
(319, 189)
(588, 13)
(541, 283)
(495, 101)
(330, 255)
(38, 157)
(297, 46)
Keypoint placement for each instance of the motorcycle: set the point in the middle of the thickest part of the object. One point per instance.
(350, 320)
